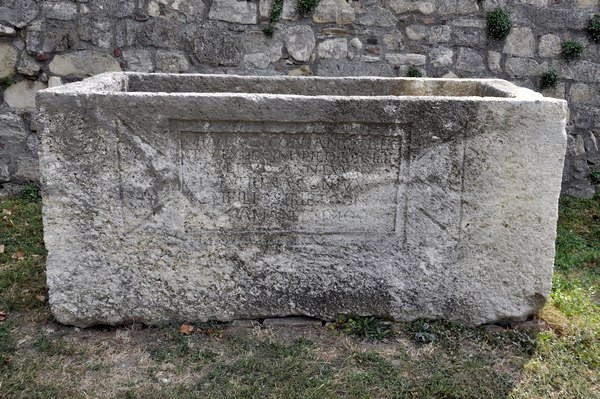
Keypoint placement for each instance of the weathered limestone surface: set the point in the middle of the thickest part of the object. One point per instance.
(336, 11)
(235, 197)
(138, 60)
(550, 46)
(402, 6)
(470, 60)
(243, 12)
(406, 59)
(334, 48)
(520, 42)
(171, 62)
(7, 30)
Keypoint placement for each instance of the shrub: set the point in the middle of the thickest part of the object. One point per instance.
(414, 73)
(307, 6)
(593, 29)
(549, 80)
(268, 30)
(499, 23)
(595, 175)
(273, 17)
(571, 49)
(276, 11)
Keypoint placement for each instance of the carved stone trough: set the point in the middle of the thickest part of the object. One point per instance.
(215, 197)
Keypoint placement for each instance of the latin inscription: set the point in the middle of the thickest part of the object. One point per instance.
(308, 182)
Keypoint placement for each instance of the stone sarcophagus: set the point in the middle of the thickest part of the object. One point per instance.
(215, 197)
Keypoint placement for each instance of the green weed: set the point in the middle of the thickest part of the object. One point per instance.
(499, 23)
(571, 49)
(414, 72)
(593, 28)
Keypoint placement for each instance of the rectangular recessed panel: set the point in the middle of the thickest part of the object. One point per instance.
(321, 182)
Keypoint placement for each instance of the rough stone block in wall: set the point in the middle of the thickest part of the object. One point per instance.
(333, 48)
(46, 40)
(138, 60)
(171, 61)
(470, 61)
(549, 46)
(218, 48)
(523, 67)
(8, 60)
(300, 42)
(377, 16)
(441, 56)
(406, 6)
(431, 34)
(242, 12)
(64, 11)
(22, 95)
(18, 12)
(178, 197)
(18, 149)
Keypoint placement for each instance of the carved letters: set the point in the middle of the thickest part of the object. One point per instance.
(291, 181)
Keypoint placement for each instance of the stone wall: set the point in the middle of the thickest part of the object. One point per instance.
(46, 43)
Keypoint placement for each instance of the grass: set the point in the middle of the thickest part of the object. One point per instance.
(6, 82)
(22, 254)
(355, 358)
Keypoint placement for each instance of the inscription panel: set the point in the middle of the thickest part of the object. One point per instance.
(324, 182)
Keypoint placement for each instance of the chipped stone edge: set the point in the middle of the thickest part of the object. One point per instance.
(111, 82)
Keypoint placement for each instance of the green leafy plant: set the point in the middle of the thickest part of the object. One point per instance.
(549, 80)
(368, 328)
(425, 335)
(268, 31)
(307, 6)
(7, 81)
(303, 7)
(499, 23)
(593, 29)
(273, 17)
(571, 49)
(31, 192)
(414, 72)
(276, 11)
(595, 175)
